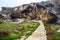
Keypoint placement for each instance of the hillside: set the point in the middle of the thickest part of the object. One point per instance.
(45, 10)
(36, 21)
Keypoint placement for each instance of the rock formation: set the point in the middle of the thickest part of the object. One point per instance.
(46, 10)
(6, 12)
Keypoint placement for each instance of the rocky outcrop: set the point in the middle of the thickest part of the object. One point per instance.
(53, 7)
(51, 14)
(45, 10)
(6, 12)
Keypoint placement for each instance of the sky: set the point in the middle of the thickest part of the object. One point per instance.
(13, 3)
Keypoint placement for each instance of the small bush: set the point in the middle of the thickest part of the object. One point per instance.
(17, 30)
(3, 33)
(52, 33)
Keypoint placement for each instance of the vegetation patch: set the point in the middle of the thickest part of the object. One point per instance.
(51, 30)
(14, 31)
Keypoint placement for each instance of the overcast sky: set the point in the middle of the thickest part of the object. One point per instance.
(12, 3)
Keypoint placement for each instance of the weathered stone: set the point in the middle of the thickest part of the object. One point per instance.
(58, 30)
(45, 10)
(58, 22)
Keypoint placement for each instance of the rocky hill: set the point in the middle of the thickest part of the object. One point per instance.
(46, 10)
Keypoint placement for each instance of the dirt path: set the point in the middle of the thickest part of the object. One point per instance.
(39, 34)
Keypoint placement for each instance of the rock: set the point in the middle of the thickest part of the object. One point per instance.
(7, 11)
(27, 32)
(16, 31)
(1, 18)
(20, 20)
(58, 22)
(32, 10)
(52, 10)
(23, 38)
(58, 30)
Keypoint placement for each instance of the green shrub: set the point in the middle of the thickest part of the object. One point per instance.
(52, 33)
(21, 29)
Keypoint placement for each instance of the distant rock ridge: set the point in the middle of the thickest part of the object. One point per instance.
(45, 10)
